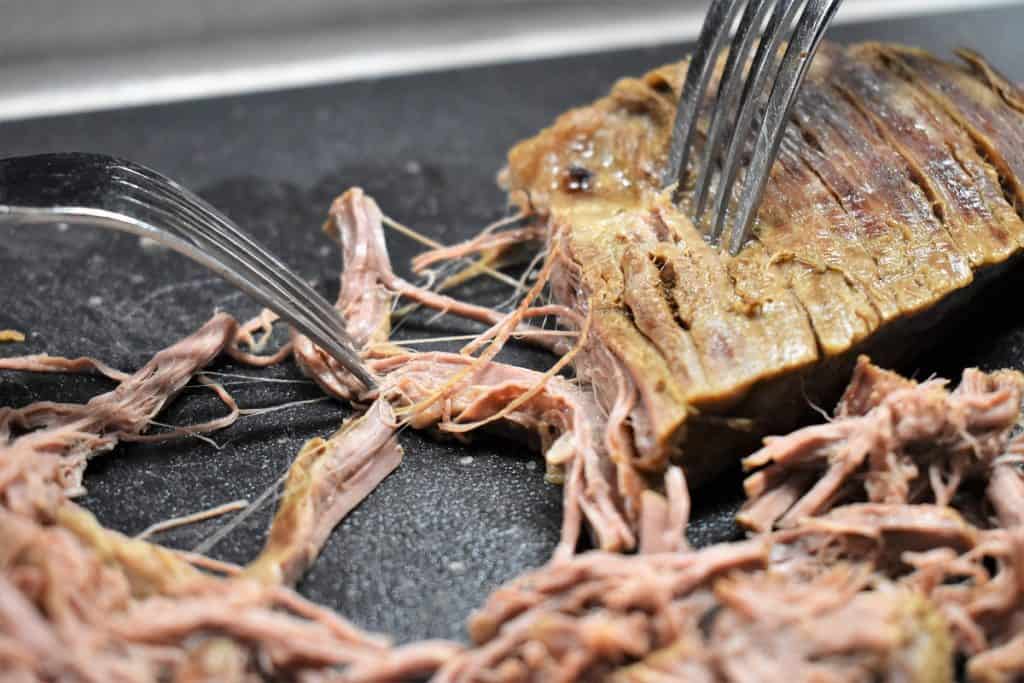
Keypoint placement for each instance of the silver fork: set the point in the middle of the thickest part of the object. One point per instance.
(98, 190)
(742, 109)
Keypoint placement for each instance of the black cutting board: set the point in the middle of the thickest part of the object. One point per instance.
(454, 521)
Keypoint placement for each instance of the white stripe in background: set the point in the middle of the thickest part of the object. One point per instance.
(75, 85)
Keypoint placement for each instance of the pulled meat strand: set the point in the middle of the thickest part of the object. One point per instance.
(40, 467)
(326, 481)
(486, 241)
(46, 363)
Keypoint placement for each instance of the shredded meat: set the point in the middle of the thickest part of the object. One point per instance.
(326, 481)
(887, 541)
(892, 441)
(79, 602)
(153, 627)
(761, 610)
(457, 393)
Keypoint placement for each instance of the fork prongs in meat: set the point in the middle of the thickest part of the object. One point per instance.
(760, 93)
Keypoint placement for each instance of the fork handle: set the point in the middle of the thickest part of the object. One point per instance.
(106, 219)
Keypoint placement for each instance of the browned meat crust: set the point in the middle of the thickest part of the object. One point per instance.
(898, 186)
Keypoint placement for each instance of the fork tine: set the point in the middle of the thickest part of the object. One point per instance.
(117, 220)
(99, 190)
(265, 285)
(178, 223)
(179, 219)
(717, 26)
(217, 232)
(208, 218)
(809, 32)
(756, 81)
(253, 281)
(725, 110)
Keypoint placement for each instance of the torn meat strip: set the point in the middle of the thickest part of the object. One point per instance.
(40, 467)
(564, 420)
(328, 478)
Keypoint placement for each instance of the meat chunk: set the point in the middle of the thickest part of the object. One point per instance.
(897, 193)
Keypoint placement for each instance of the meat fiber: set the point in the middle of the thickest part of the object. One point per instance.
(898, 190)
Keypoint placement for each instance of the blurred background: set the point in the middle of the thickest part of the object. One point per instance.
(73, 55)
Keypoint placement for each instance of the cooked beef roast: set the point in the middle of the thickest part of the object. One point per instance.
(899, 188)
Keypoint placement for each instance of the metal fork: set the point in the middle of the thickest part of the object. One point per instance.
(741, 109)
(98, 190)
